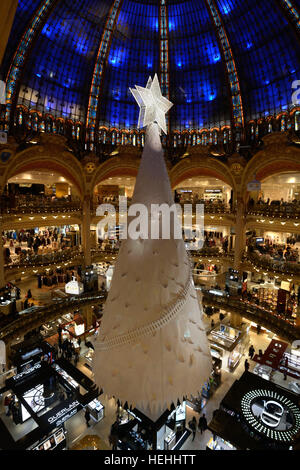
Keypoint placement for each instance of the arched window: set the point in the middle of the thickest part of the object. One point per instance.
(215, 138)
(35, 122)
(270, 128)
(29, 122)
(48, 125)
(78, 132)
(42, 126)
(283, 124)
(225, 136)
(297, 120)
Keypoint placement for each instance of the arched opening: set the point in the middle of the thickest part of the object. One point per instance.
(111, 188)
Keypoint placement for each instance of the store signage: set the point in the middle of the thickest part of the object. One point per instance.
(79, 329)
(271, 414)
(64, 414)
(254, 185)
(285, 285)
(213, 191)
(27, 372)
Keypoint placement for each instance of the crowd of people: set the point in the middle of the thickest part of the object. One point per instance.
(26, 243)
(286, 252)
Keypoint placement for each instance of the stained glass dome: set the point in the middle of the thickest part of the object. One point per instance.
(221, 62)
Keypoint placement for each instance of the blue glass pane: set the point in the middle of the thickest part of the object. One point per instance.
(24, 13)
(198, 86)
(266, 54)
(58, 74)
(134, 55)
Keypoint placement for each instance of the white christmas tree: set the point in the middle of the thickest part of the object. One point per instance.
(152, 348)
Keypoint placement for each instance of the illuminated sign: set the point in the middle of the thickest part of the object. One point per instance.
(65, 413)
(254, 186)
(271, 414)
(27, 372)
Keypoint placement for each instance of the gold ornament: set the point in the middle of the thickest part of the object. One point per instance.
(90, 167)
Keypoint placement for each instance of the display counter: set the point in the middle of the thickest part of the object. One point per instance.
(219, 444)
(6, 307)
(96, 410)
(67, 378)
(263, 371)
(170, 440)
(56, 441)
(229, 343)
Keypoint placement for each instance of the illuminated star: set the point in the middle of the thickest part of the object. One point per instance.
(153, 105)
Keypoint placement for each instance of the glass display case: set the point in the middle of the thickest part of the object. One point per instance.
(219, 444)
(96, 409)
(67, 378)
(170, 439)
(56, 441)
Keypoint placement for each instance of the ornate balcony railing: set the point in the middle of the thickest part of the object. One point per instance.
(37, 205)
(283, 211)
(30, 260)
(284, 327)
(269, 263)
(16, 324)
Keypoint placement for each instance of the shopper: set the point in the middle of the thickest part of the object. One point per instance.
(251, 351)
(76, 358)
(258, 329)
(114, 437)
(7, 401)
(87, 416)
(202, 425)
(247, 365)
(193, 426)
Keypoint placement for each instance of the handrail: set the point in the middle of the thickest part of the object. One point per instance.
(46, 313)
(286, 210)
(260, 315)
(290, 267)
(31, 260)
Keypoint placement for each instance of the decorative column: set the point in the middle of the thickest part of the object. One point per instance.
(7, 15)
(86, 230)
(239, 232)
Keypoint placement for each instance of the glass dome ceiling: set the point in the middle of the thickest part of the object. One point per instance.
(221, 62)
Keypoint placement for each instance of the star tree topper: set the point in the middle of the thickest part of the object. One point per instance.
(153, 105)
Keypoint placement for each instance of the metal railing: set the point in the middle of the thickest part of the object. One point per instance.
(30, 260)
(37, 205)
(271, 320)
(285, 210)
(269, 263)
(11, 326)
